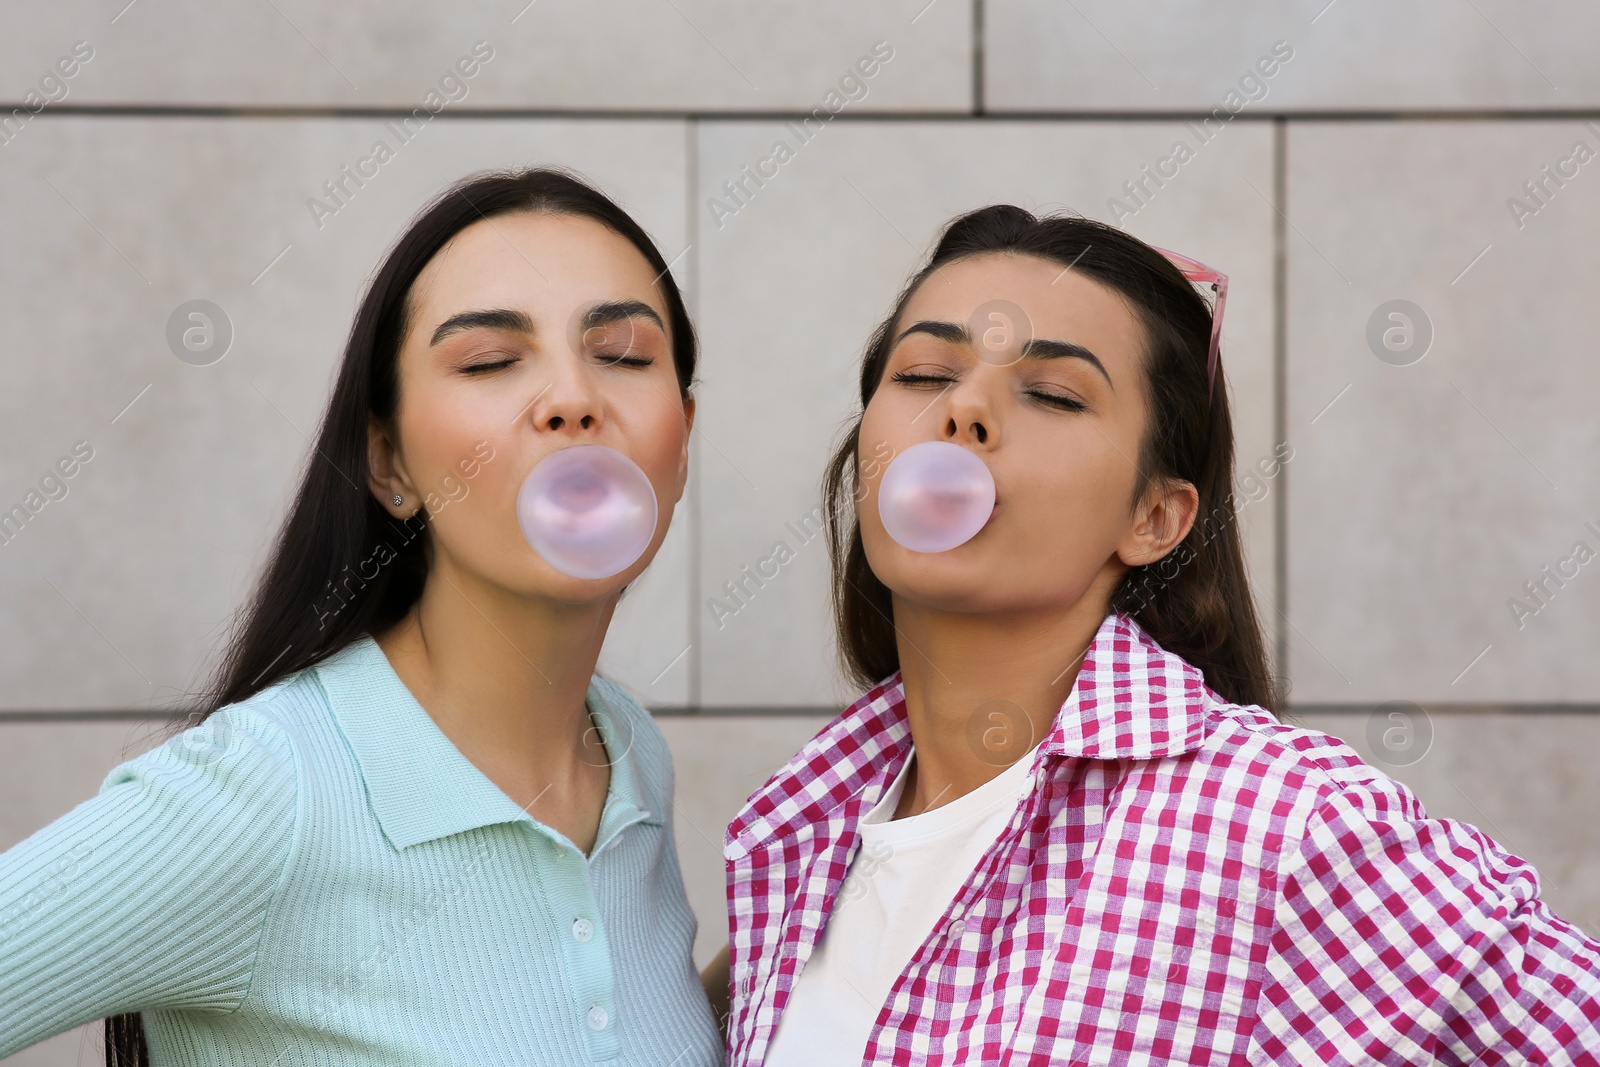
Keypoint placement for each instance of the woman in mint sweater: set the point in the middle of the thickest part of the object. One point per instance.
(414, 826)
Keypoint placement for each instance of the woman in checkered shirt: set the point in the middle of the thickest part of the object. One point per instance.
(1062, 824)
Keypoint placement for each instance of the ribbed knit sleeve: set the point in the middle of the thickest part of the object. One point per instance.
(152, 894)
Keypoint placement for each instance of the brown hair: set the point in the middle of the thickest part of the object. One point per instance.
(1195, 602)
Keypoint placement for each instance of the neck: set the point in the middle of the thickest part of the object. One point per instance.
(505, 677)
(982, 690)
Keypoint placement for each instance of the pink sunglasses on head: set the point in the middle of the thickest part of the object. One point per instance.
(1196, 271)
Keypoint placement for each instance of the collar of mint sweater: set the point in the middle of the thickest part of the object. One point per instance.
(420, 785)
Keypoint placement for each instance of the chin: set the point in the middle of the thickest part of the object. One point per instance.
(547, 583)
(943, 581)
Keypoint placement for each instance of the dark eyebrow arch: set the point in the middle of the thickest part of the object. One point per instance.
(944, 331)
(609, 311)
(488, 319)
(1037, 348)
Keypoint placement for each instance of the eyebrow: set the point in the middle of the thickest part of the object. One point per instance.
(1036, 348)
(609, 311)
(601, 314)
(485, 319)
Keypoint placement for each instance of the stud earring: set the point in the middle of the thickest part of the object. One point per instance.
(398, 500)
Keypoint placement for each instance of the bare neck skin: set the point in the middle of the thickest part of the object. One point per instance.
(505, 678)
(947, 665)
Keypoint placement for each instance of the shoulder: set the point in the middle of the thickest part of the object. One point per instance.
(242, 758)
(1275, 783)
(1282, 758)
(1345, 822)
(854, 755)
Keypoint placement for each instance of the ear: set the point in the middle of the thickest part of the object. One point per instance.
(1161, 520)
(386, 474)
(683, 457)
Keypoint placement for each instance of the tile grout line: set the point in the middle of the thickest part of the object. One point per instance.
(854, 115)
(1280, 393)
(829, 711)
(696, 512)
(977, 57)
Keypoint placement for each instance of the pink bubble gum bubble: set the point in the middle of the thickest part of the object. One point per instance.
(935, 496)
(588, 510)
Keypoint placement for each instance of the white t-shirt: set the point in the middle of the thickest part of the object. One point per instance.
(900, 882)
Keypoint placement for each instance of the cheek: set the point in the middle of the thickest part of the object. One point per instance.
(656, 445)
(885, 432)
(435, 405)
(881, 435)
(446, 443)
(446, 438)
(1075, 507)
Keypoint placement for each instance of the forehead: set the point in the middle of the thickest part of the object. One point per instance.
(542, 263)
(1061, 304)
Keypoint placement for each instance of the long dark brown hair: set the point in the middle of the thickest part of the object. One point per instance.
(1195, 602)
(313, 598)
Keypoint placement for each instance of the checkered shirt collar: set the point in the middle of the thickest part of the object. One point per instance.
(1132, 700)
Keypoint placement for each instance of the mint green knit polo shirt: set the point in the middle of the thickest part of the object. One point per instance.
(317, 875)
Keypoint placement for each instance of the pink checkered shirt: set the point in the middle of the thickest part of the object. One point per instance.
(1188, 881)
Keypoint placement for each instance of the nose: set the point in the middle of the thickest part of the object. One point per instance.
(568, 402)
(969, 417)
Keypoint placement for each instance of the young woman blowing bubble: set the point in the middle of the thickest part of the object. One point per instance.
(415, 826)
(1062, 824)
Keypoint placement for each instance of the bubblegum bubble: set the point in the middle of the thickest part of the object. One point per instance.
(935, 496)
(588, 510)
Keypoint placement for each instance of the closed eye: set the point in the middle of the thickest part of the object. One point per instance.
(1059, 400)
(1055, 400)
(917, 379)
(480, 367)
(631, 361)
